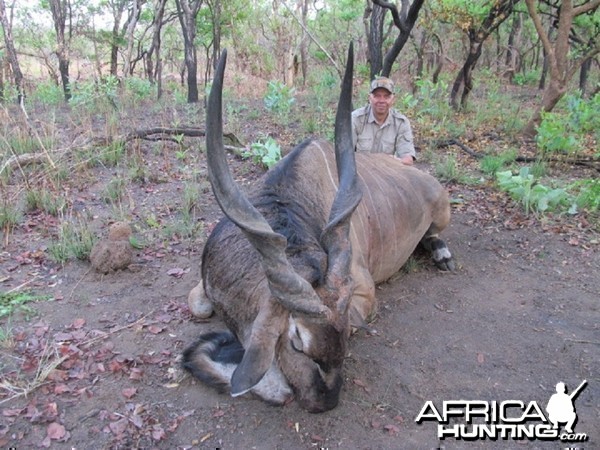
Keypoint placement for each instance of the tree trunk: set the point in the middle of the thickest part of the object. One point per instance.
(188, 11)
(561, 67)
(132, 20)
(463, 84)
(438, 59)
(61, 12)
(420, 52)
(1, 77)
(11, 56)
(304, 44)
(155, 69)
(583, 75)
(216, 44)
(477, 36)
(512, 54)
(117, 11)
(404, 21)
(375, 40)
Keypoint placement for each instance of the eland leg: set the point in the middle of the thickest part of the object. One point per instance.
(199, 304)
(437, 247)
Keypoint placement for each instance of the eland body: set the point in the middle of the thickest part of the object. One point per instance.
(293, 267)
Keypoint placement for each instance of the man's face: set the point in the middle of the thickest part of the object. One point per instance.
(381, 100)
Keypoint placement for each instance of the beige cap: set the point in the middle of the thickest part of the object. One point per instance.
(382, 82)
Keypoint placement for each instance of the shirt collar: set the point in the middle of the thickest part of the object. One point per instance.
(387, 121)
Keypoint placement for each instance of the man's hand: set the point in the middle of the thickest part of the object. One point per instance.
(406, 159)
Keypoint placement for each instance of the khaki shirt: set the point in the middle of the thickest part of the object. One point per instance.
(394, 137)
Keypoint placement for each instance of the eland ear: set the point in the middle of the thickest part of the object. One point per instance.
(256, 362)
(260, 351)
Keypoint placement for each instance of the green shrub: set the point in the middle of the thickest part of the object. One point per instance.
(555, 136)
(48, 93)
(587, 194)
(526, 78)
(91, 95)
(279, 98)
(140, 88)
(535, 197)
(564, 131)
(265, 152)
(490, 164)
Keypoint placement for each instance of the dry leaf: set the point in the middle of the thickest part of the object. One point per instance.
(129, 392)
(56, 431)
(77, 324)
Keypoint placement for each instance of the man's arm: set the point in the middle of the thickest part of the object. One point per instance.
(405, 148)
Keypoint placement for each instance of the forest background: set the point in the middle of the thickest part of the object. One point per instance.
(508, 82)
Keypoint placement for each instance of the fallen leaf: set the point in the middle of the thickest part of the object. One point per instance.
(56, 431)
(12, 412)
(61, 336)
(129, 392)
(158, 433)
(136, 374)
(177, 272)
(77, 324)
(118, 427)
(137, 420)
(392, 429)
(155, 329)
(61, 388)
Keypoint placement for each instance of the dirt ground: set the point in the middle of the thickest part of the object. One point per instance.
(520, 314)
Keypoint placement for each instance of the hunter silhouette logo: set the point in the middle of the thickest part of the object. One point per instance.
(510, 419)
(560, 406)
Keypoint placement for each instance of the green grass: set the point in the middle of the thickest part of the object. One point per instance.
(17, 300)
(73, 241)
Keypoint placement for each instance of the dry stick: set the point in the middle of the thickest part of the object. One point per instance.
(22, 285)
(594, 164)
(78, 283)
(147, 134)
(116, 330)
(582, 341)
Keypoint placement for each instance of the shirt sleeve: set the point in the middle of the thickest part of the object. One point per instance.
(404, 140)
(354, 132)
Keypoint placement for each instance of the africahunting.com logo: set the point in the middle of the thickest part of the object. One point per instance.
(511, 419)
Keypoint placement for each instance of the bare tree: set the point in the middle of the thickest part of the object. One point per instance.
(117, 7)
(11, 53)
(513, 61)
(61, 15)
(216, 11)
(154, 70)
(561, 65)
(188, 11)
(132, 20)
(404, 20)
(463, 84)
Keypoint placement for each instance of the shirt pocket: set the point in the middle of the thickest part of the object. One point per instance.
(364, 144)
(388, 145)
